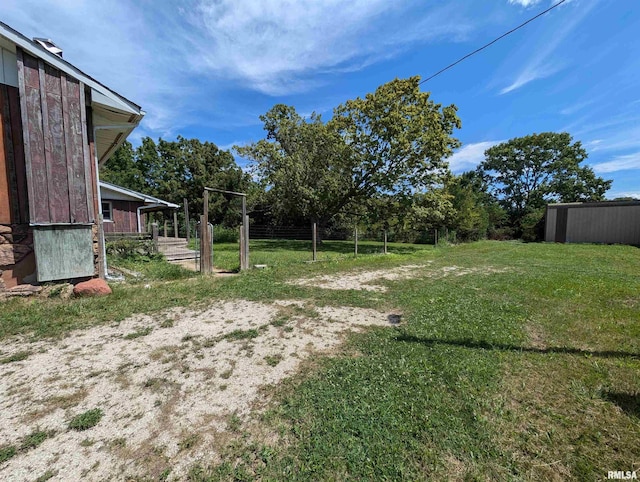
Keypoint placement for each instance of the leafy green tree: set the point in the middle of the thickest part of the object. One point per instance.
(392, 141)
(526, 173)
(174, 170)
(301, 165)
(123, 170)
(477, 213)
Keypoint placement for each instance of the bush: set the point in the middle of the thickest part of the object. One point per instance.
(222, 234)
(532, 226)
(133, 249)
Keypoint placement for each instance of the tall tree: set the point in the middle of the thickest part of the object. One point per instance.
(477, 213)
(123, 170)
(527, 172)
(393, 141)
(302, 165)
(174, 170)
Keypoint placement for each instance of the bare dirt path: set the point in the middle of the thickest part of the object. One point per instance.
(170, 386)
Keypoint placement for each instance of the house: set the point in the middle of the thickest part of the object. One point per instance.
(609, 222)
(57, 125)
(123, 210)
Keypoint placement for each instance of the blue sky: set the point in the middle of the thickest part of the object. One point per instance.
(209, 68)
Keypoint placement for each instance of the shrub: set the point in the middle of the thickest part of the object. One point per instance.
(133, 249)
(222, 234)
(532, 225)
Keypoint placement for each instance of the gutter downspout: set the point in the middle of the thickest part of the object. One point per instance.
(95, 160)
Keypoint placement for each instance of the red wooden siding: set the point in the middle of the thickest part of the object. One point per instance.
(123, 216)
(56, 144)
(13, 188)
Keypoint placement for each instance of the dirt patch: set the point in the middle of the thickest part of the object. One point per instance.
(171, 386)
(369, 280)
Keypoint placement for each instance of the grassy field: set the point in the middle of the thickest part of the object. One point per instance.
(527, 367)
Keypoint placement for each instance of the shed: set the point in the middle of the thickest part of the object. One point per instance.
(609, 222)
(123, 209)
(57, 124)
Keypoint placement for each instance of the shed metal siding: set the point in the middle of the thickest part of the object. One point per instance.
(56, 147)
(609, 224)
(550, 226)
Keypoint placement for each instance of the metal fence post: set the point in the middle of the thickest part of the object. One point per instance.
(385, 242)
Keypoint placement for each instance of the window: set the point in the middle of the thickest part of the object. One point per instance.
(106, 211)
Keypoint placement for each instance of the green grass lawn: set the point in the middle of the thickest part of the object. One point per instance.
(526, 368)
(276, 252)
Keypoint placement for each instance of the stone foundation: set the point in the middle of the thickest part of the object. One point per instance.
(17, 261)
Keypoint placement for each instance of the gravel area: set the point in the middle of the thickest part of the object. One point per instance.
(170, 386)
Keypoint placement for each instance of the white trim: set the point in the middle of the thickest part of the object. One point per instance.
(110, 203)
(138, 195)
(8, 68)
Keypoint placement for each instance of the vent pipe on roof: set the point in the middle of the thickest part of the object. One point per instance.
(49, 45)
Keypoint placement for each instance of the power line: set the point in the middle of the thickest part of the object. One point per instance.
(493, 41)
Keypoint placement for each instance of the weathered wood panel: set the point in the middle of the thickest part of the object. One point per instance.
(55, 151)
(18, 153)
(13, 194)
(75, 150)
(34, 141)
(63, 252)
(6, 158)
(58, 168)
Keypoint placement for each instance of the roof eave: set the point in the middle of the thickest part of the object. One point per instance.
(33, 48)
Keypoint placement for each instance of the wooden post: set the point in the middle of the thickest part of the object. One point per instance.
(205, 247)
(246, 242)
(205, 239)
(244, 237)
(314, 233)
(355, 237)
(165, 228)
(435, 237)
(154, 236)
(187, 224)
(385, 242)
(175, 223)
(242, 246)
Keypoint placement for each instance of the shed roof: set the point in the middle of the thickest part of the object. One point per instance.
(110, 191)
(593, 204)
(114, 116)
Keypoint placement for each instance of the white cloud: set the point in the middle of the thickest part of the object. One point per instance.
(469, 156)
(274, 45)
(176, 59)
(619, 163)
(524, 3)
(540, 64)
(619, 194)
